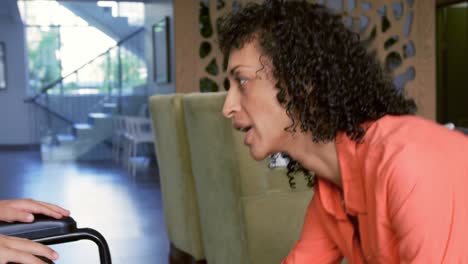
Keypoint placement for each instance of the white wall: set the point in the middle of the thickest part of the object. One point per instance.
(15, 127)
(153, 13)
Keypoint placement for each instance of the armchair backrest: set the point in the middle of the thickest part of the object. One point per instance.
(216, 178)
(248, 213)
(175, 169)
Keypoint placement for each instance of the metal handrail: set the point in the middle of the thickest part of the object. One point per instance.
(51, 85)
(43, 92)
(54, 113)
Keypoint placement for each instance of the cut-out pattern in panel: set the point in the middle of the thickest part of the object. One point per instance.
(390, 41)
(206, 30)
(212, 68)
(208, 85)
(205, 49)
(392, 61)
(226, 84)
(409, 50)
(384, 26)
(220, 4)
(401, 80)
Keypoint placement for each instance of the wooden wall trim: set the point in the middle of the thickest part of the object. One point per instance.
(186, 38)
(423, 88)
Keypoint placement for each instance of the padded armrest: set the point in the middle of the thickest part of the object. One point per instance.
(50, 231)
(42, 226)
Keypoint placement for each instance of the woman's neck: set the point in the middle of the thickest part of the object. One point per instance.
(320, 158)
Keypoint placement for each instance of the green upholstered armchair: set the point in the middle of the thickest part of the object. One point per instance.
(177, 183)
(248, 213)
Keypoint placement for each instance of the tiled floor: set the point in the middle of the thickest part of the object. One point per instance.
(101, 196)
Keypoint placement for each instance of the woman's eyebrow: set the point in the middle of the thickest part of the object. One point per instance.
(234, 71)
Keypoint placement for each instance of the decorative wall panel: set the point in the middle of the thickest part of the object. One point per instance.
(400, 33)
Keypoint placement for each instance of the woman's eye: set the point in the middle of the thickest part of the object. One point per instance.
(241, 81)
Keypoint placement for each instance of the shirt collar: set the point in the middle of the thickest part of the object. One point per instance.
(330, 198)
(352, 174)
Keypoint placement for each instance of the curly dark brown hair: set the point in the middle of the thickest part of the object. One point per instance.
(327, 80)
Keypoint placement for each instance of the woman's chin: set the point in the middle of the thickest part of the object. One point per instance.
(258, 155)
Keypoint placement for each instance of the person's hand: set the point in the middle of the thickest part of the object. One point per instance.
(24, 251)
(23, 210)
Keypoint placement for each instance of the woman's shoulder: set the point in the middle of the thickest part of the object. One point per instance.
(405, 129)
(403, 148)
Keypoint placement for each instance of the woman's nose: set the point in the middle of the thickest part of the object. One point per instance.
(231, 104)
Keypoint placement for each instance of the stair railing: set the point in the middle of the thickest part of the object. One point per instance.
(68, 100)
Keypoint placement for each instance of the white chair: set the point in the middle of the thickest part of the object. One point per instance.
(138, 131)
(118, 138)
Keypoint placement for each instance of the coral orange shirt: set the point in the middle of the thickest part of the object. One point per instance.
(406, 185)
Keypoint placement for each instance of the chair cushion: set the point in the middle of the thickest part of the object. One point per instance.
(43, 226)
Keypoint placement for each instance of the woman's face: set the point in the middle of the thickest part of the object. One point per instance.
(252, 104)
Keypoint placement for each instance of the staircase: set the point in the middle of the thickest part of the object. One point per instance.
(102, 18)
(79, 127)
(88, 141)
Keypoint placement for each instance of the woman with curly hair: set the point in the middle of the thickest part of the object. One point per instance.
(390, 187)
